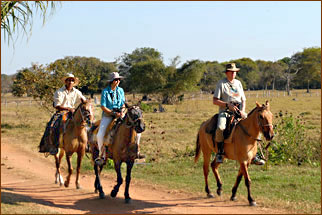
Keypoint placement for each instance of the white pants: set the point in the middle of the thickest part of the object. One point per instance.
(105, 121)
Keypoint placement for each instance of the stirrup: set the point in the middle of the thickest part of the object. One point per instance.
(219, 158)
(140, 156)
(99, 161)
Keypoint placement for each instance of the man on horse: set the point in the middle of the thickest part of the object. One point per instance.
(230, 97)
(65, 99)
(112, 104)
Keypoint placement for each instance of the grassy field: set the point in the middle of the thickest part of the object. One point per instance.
(169, 143)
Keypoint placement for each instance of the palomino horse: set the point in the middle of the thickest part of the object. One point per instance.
(75, 140)
(124, 149)
(240, 146)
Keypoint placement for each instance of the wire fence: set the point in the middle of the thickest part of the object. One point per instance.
(11, 101)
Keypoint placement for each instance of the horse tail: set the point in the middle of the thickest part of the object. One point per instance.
(197, 149)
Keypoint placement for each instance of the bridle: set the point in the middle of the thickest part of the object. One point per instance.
(261, 126)
(132, 122)
(85, 114)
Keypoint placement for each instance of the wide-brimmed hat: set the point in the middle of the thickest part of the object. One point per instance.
(115, 75)
(70, 75)
(231, 67)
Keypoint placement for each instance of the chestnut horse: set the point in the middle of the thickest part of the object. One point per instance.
(124, 149)
(74, 140)
(240, 146)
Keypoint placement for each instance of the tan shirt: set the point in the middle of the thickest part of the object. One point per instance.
(67, 99)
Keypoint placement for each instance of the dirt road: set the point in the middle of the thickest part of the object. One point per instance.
(26, 175)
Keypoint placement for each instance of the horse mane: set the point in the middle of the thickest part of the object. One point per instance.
(263, 107)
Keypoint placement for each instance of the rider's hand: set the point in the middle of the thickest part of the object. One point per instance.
(243, 114)
(118, 115)
(232, 107)
(71, 110)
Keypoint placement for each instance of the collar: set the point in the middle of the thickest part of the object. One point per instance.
(109, 90)
(64, 89)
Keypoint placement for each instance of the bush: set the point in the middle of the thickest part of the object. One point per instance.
(146, 107)
(292, 145)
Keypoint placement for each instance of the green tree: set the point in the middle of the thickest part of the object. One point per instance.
(16, 15)
(309, 60)
(127, 61)
(214, 73)
(185, 78)
(147, 76)
(248, 72)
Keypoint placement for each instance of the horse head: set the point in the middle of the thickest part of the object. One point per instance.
(86, 112)
(265, 119)
(135, 118)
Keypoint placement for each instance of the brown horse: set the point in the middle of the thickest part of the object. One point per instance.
(240, 146)
(74, 140)
(124, 149)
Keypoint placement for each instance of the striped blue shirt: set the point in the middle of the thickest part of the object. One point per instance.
(112, 99)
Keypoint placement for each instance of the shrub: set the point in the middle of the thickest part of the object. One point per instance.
(292, 144)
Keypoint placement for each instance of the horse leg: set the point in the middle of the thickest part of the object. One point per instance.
(97, 184)
(117, 166)
(70, 170)
(215, 166)
(206, 160)
(234, 190)
(58, 176)
(129, 165)
(80, 156)
(244, 167)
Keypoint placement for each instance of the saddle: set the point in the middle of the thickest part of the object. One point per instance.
(53, 128)
(230, 124)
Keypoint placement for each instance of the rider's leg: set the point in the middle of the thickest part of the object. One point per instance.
(105, 121)
(221, 125)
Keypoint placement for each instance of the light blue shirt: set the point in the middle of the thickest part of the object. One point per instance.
(112, 99)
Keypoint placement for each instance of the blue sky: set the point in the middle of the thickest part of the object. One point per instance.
(209, 30)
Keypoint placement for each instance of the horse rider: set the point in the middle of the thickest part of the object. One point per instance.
(65, 99)
(112, 105)
(230, 97)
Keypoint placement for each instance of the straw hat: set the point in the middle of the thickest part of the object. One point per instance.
(70, 75)
(231, 67)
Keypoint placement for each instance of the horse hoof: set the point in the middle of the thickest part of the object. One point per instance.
(219, 192)
(78, 187)
(96, 191)
(210, 195)
(128, 200)
(102, 195)
(66, 184)
(113, 193)
(233, 198)
(253, 203)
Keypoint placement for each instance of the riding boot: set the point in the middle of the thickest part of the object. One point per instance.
(219, 155)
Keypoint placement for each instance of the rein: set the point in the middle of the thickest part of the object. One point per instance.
(258, 140)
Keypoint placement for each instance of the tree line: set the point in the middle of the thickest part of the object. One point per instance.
(145, 72)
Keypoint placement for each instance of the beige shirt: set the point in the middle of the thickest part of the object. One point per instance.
(67, 99)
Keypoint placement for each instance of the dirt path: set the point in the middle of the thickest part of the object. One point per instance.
(26, 175)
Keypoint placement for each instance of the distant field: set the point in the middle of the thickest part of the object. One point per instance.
(169, 143)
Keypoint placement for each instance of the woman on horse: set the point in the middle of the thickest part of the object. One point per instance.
(112, 104)
(230, 97)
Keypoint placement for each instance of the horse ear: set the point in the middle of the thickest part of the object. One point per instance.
(257, 104)
(267, 104)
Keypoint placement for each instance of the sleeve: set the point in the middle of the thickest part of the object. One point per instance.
(58, 98)
(218, 93)
(81, 96)
(122, 97)
(103, 98)
(242, 94)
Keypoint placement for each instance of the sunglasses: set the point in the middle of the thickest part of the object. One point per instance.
(70, 79)
(117, 79)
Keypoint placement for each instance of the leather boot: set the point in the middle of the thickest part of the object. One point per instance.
(220, 153)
